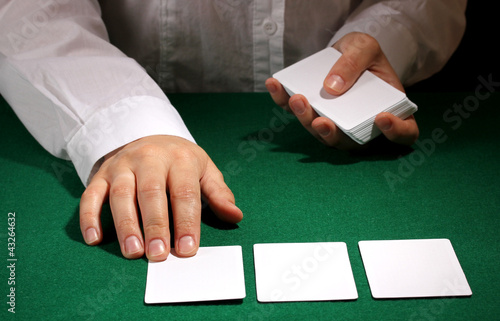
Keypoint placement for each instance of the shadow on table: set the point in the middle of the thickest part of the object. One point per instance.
(201, 303)
(18, 146)
(110, 243)
(295, 139)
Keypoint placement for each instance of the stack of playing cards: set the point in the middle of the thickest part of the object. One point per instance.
(353, 112)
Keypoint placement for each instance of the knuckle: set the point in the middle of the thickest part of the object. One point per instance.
(183, 154)
(217, 176)
(361, 44)
(184, 192)
(352, 63)
(122, 191)
(365, 41)
(151, 189)
(149, 150)
(87, 218)
(213, 174)
(125, 224)
(185, 222)
(155, 226)
(370, 45)
(90, 194)
(221, 189)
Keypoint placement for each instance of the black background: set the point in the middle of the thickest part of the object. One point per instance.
(477, 54)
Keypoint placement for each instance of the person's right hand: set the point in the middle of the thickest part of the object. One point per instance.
(360, 52)
(136, 179)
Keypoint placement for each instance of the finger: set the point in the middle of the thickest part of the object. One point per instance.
(329, 133)
(400, 131)
(332, 135)
(185, 198)
(347, 69)
(153, 204)
(219, 196)
(360, 52)
(122, 200)
(90, 210)
(322, 128)
(278, 93)
(304, 112)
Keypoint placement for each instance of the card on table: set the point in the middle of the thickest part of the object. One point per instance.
(353, 112)
(214, 273)
(413, 269)
(303, 272)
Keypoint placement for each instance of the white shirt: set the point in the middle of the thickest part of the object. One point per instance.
(76, 72)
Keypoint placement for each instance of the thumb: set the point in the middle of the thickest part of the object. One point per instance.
(219, 196)
(342, 76)
(360, 52)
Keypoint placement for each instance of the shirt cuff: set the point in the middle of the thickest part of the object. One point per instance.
(123, 122)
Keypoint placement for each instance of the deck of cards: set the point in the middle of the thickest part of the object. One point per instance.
(353, 112)
(316, 271)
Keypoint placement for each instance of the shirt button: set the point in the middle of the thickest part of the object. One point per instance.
(270, 27)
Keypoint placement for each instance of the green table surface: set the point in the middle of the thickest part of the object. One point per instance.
(290, 188)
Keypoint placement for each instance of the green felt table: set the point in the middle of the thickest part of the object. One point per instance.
(290, 188)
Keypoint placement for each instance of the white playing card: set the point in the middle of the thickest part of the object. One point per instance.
(303, 272)
(354, 111)
(413, 268)
(214, 273)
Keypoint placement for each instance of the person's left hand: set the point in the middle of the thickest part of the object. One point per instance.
(360, 52)
(135, 179)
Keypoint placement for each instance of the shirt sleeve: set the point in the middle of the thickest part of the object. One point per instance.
(417, 36)
(78, 95)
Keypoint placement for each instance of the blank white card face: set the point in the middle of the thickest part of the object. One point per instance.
(303, 272)
(413, 268)
(214, 273)
(367, 97)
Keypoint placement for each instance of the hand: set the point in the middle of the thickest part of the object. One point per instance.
(136, 178)
(360, 52)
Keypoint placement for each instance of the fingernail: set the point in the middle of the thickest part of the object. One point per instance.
(323, 130)
(335, 82)
(186, 244)
(298, 107)
(132, 245)
(271, 87)
(91, 235)
(156, 247)
(384, 123)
